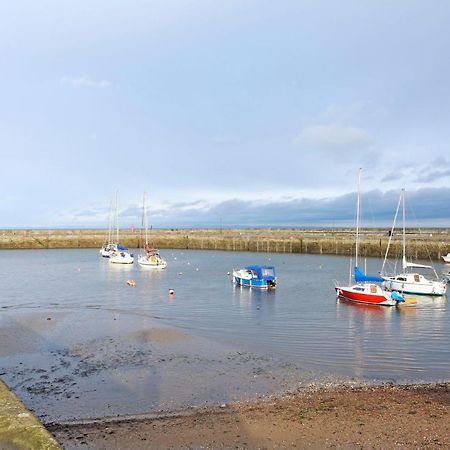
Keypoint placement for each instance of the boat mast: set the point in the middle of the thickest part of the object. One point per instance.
(392, 233)
(144, 216)
(117, 219)
(404, 230)
(110, 220)
(358, 212)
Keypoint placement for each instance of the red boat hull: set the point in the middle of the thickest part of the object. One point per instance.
(363, 297)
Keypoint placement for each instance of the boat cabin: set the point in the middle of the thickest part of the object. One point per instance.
(262, 272)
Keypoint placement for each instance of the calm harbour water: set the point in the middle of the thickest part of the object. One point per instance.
(300, 322)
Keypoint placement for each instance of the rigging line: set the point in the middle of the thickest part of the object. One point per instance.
(391, 234)
(420, 232)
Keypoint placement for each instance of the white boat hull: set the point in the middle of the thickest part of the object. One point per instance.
(121, 258)
(105, 253)
(152, 263)
(446, 258)
(427, 287)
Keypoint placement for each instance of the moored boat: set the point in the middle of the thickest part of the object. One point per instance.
(365, 290)
(108, 247)
(118, 253)
(149, 257)
(409, 281)
(415, 283)
(121, 255)
(369, 294)
(262, 277)
(446, 258)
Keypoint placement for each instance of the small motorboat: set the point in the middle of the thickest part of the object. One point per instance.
(262, 277)
(446, 258)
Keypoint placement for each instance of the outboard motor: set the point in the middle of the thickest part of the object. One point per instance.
(397, 297)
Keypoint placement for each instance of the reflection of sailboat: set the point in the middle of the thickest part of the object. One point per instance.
(149, 257)
(366, 290)
(119, 254)
(411, 282)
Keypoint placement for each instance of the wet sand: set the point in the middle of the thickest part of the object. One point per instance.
(347, 418)
(72, 365)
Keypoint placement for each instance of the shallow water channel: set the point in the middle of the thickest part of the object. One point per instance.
(77, 342)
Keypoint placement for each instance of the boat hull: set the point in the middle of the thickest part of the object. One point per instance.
(122, 258)
(363, 297)
(259, 284)
(149, 264)
(431, 288)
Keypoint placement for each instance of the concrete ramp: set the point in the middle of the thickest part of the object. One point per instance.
(19, 429)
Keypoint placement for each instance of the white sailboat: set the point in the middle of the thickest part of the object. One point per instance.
(149, 257)
(409, 281)
(119, 254)
(108, 245)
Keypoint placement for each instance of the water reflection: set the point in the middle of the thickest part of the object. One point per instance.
(300, 321)
(257, 304)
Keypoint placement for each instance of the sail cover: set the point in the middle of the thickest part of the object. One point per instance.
(362, 278)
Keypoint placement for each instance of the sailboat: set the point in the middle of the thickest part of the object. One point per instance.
(108, 246)
(408, 281)
(119, 254)
(149, 256)
(366, 288)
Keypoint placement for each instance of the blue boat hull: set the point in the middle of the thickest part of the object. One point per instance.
(254, 283)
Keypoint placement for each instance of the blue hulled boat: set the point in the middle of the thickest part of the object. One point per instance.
(262, 277)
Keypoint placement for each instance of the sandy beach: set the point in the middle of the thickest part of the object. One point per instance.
(410, 417)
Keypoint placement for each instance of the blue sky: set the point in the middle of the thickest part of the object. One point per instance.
(240, 112)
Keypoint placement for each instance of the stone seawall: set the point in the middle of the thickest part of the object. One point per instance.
(430, 243)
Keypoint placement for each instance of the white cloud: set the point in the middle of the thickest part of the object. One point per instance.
(84, 81)
(333, 136)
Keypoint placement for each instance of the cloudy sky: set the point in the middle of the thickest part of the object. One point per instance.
(248, 112)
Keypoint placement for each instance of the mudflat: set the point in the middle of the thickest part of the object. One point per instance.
(377, 417)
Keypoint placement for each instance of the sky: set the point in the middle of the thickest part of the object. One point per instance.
(232, 113)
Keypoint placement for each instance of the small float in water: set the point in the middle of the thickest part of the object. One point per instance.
(131, 283)
(262, 277)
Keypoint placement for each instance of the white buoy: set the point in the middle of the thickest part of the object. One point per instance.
(171, 291)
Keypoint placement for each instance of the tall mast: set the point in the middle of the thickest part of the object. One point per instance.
(110, 220)
(144, 212)
(404, 230)
(117, 218)
(358, 212)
